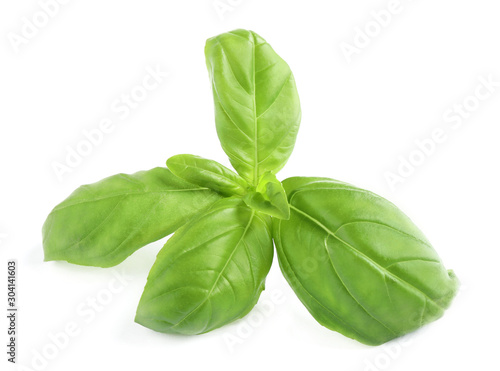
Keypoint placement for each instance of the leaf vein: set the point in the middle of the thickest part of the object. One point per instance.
(363, 256)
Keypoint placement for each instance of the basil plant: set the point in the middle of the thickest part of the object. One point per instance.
(357, 263)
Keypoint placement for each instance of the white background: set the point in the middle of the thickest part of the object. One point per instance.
(360, 117)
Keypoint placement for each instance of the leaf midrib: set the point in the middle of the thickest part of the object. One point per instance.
(364, 257)
(256, 146)
(221, 272)
(141, 193)
(218, 176)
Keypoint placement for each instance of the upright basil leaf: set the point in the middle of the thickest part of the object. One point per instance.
(269, 197)
(101, 224)
(211, 272)
(207, 173)
(257, 108)
(357, 263)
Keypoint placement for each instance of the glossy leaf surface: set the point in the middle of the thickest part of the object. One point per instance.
(101, 224)
(257, 108)
(207, 173)
(269, 197)
(358, 264)
(210, 272)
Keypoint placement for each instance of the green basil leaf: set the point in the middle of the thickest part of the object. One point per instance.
(210, 272)
(101, 224)
(269, 197)
(257, 108)
(207, 173)
(358, 264)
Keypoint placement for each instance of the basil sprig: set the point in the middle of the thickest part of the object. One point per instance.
(358, 264)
